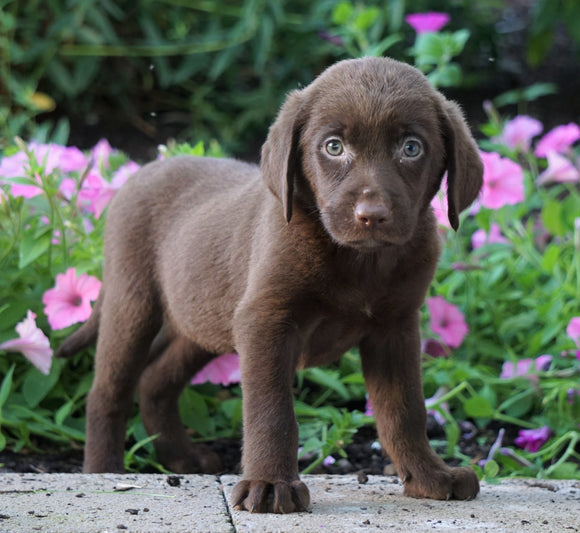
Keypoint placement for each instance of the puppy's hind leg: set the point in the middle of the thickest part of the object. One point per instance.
(128, 323)
(159, 389)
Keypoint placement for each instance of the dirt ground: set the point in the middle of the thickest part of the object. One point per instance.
(363, 454)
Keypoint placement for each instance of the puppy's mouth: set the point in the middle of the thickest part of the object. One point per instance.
(368, 245)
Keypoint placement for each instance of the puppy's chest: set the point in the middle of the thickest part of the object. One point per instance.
(341, 320)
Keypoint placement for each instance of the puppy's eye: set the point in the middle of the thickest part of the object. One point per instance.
(334, 147)
(412, 148)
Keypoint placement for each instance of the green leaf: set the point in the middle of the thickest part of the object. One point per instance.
(566, 470)
(478, 470)
(550, 257)
(32, 247)
(311, 445)
(452, 432)
(329, 379)
(232, 408)
(521, 404)
(64, 412)
(6, 386)
(36, 385)
(381, 47)
(366, 18)
(195, 414)
(458, 40)
(429, 48)
(491, 469)
(342, 13)
(446, 76)
(22, 180)
(478, 407)
(537, 90)
(571, 211)
(130, 455)
(553, 218)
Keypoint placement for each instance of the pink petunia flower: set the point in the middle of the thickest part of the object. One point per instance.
(532, 440)
(12, 166)
(16, 166)
(69, 301)
(480, 237)
(558, 140)
(32, 343)
(72, 159)
(101, 153)
(573, 330)
(518, 133)
(427, 22)
(560, 170)
(503, 181)
(67, 188)
(26, 191)
(223, 370)
(47, 156)
(96, 193)
(524, 367)
(447, 321)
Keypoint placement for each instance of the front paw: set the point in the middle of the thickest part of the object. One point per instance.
(265, 497)
(451, 483)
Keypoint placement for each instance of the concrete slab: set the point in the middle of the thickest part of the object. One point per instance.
(62, 503)
(341, 504)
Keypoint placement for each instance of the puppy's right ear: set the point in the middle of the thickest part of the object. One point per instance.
(280, 152)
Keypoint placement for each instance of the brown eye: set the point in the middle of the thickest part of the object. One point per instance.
(412, 148)
(334, 147)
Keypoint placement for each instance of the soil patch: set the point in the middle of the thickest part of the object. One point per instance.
(364, 454)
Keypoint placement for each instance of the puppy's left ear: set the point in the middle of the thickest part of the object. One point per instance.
(464, 166)
(279, 162)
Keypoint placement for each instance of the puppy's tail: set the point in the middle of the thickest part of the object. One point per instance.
(83, 337)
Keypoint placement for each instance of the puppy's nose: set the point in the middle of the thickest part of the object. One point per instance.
(371, 214)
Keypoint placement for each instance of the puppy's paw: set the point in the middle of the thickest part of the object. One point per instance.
(264, 497)
(443, 484)
(465, 483)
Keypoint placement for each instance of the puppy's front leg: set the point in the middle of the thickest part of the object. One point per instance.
(392, 368)
(271, 484)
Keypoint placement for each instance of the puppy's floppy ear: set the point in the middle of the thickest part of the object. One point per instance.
(464, 166)
(280, 152)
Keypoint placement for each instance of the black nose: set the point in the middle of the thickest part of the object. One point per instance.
(371, 214)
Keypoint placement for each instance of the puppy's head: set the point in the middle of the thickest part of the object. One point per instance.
(370, 140)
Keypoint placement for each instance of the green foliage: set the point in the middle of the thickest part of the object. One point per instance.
(434, 52)
(219, 69)
(548, 16)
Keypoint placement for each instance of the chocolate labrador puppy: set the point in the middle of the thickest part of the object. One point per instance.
(331, 243)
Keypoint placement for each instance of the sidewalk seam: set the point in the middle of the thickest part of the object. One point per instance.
(230, 517)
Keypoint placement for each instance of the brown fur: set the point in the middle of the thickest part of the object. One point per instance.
(289, 265)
